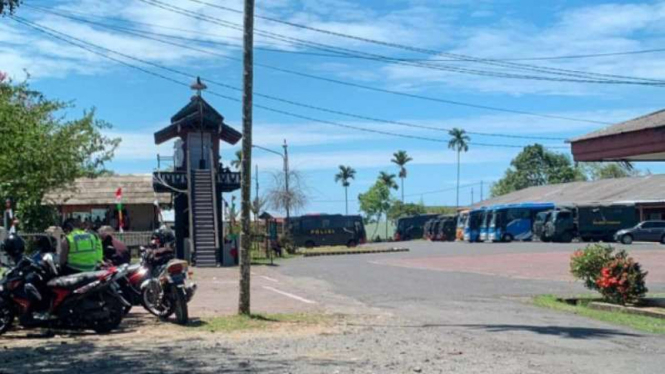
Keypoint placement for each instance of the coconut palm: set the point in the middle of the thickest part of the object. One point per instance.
(388, 180)
(344, 175)
(238, 161)
(459, 142)
(401, 158)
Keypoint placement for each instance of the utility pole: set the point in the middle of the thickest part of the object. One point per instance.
(481, 190)
(256, 180)
(472, 196)
(246, 185)
(286, 182)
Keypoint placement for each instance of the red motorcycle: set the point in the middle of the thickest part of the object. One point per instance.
(32, 292)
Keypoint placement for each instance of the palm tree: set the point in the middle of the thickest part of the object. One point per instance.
(401, 158)
(344, 175)
(459, 142)
(238, 161)
(388, 180)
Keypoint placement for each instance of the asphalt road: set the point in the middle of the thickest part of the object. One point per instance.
(486, 317)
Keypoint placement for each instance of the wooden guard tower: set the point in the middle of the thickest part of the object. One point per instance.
(198, 179)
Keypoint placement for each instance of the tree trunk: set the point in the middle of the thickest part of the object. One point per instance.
(457, 203)
(402, 178)
(386, 226)
(346, 199)
(246, 185)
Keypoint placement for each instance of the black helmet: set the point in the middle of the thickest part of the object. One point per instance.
(70, 224)
(14, 246)
(157, 238)
(168, 236)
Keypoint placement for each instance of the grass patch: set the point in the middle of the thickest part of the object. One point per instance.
(641, 323)
(256, 322)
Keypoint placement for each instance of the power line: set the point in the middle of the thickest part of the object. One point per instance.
(432, 52)
(295, 103)
(371, 88)
(385, 59)
(335, 55)
(82, 44)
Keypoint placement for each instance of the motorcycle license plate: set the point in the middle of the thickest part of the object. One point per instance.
(178, 278)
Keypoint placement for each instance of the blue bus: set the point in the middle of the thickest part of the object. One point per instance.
(515, 221)
(485, 223)
(472, 225)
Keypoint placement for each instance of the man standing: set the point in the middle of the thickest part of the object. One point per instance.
(115, 251)
(80, 250)
(9, 219)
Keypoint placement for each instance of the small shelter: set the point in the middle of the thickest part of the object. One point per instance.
(93, 200)
(198, 178)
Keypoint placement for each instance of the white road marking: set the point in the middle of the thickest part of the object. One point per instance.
(270, 279)
(296, 297)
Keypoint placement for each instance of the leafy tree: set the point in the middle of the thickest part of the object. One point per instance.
(536, 166)
(401, 158)
(459, 142)
(9, 6)
(388, 180)
(40, 151)
(599, 170)
(345, 174)
(399, 209)
(238, 160)
(375, 202)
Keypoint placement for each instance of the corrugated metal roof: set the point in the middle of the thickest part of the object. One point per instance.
(647, 189)
(136, 189)
(656, 119)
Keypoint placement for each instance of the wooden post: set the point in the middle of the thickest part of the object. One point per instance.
(246, 192)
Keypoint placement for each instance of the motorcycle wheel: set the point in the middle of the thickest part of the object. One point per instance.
(116, 313)
(149, 299)
(181, 311)
(6, 317)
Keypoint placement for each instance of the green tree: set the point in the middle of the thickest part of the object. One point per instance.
(9, 6)
(376, 202)
(609, 170)
(345, 174)
(459, 142)
(536, 166)
(237, 162)
(40, 151)
(388, 180)
(401, 158)
(399, 209)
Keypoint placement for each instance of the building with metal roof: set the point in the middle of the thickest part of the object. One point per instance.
(93, 200)
(646, 192)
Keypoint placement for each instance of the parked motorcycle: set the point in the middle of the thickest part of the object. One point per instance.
(32, 292)
(160, 284)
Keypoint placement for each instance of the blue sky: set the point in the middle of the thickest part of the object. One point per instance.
(138, 104)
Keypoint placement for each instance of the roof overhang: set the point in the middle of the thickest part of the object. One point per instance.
(641, 145)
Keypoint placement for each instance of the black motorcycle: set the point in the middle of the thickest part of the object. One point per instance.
(32, 292)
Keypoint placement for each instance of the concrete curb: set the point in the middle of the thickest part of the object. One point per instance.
(654, 312)
(357, 252)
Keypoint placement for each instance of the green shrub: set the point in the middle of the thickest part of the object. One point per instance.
(586, 264)
(617, 277)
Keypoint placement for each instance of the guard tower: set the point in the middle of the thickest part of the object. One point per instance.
(198, 179)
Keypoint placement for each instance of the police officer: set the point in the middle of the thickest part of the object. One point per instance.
(80, 250)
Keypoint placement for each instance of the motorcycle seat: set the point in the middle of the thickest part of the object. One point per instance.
(133, 268)
(76, 280)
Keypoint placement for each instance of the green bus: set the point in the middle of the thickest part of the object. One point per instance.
(327, 229)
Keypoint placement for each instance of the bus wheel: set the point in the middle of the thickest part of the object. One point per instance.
(507, 238)
(351, 244)
(309, 244)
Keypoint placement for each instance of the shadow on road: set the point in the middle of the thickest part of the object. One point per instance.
(561, 331)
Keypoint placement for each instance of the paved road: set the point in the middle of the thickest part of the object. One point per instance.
(485, 315)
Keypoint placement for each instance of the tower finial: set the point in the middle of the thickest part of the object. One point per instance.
(198, 86)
